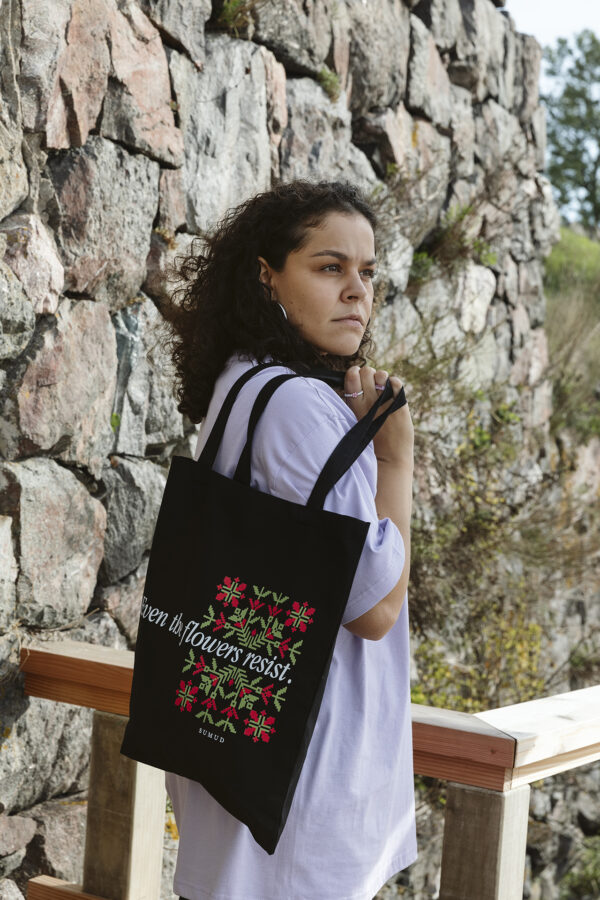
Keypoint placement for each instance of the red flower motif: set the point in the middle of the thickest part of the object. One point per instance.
(256, 604)
(230, 712)
(200, 666)
(274, 610)
(209, 703)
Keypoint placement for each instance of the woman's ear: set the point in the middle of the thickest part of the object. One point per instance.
(265, 272)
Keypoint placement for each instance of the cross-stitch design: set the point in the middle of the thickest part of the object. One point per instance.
(259, 726)
(262, 623)
(230, 690)
(186, 695)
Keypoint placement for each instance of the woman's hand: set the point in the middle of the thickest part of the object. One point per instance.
(394, 442)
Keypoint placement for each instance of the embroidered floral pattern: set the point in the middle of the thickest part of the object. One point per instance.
(261, 624)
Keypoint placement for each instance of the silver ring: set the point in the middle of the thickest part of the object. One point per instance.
(355, 394)
(380, 387)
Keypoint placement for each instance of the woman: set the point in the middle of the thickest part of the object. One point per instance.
(288, 276)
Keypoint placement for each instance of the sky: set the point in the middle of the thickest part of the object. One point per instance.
(548, 20)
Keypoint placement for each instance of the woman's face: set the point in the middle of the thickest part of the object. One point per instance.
(326, 286)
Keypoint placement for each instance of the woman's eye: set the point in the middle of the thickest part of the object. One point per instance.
(370, 273)
(334, 266)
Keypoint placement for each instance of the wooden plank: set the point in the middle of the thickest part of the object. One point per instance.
(460, 735)
(44, 887)
(546, 767)
(79, 694)
(75, 661)
(125, 819)
(485, 837)
(469, 772)
(550, 726)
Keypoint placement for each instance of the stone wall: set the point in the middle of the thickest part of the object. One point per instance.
(127, 127)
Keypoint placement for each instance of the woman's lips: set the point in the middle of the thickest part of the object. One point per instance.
(355, 323)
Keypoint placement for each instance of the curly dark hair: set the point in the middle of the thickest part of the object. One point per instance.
(221, 307)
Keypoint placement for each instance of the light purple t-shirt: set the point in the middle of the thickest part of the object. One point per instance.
(351, 825)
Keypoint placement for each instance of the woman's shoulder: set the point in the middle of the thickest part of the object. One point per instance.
(302, 403)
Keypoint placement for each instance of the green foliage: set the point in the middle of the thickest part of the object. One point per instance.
(450, 246)
(115, 421)
(573, 125)
(501, 664)
(572, 280)
(236, 15)
(330, 82)
(583, 881)
(574, 263)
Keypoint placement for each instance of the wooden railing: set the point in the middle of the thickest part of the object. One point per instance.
(489, 760)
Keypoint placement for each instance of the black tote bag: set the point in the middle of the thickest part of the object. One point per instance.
(243, 599)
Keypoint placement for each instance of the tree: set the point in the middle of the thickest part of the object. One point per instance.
(573, 107)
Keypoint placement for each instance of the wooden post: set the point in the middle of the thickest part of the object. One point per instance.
(125, 819)
(485, 836)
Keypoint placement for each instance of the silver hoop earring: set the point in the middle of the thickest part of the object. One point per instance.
(282, 308)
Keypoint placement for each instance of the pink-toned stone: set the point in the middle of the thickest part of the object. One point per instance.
(428, 82)
(137, 107)
(163, 251)
(532, 361)
(81, 77)
(44, 412)
(277, 111)
(106, 201)
(171, 200)
(32, 255)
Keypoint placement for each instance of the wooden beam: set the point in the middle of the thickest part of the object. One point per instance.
(79, 673)
(485, 837)
(552, 734)
(125, 819)
(458, 747)
(44, 887)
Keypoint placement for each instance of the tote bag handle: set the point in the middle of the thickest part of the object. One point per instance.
(345, 453)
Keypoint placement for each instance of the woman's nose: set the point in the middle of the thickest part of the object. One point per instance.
(356, 288)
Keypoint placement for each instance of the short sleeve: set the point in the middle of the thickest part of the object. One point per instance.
(294, 456)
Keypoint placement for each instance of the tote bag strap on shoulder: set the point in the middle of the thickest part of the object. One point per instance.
(353, 443)
(213, 442)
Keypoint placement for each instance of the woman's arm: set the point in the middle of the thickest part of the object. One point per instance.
(393, 445)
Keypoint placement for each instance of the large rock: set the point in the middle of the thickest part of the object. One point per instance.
(299, 34)
(8, 575)
(476, 286)
(137, 106)
(165, 247)
(379, 51)
(60, 530)
(9, 890)
(45, 748)
(223, 114)
(500, 139)
(60, 841)
(44, 25)
(462, 124)
(277, 112)
(15, 833)
(123, 601)
(443, 19)
(428, 82)
(134, 494)
(316, 142)
(31, 254)
(182, 21)
(105, 203)
(42, 411)
(76, 85)
(171, 201)
(414, 194)
(17, 318)
(527, 76)
(397, 332)
(10, 41)
(144, 399)
(13, 174)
